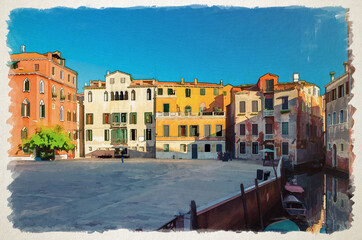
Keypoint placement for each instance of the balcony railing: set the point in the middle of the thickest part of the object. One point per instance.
(117, 141)
(118, 124)
(190, 114)
(268, 137)
(268, 113)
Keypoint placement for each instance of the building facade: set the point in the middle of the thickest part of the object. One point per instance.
(338, 121)
(43, 94)
(120, 111)
(284, 117)
(191, 119)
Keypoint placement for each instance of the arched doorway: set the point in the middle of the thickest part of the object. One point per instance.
(334, 155)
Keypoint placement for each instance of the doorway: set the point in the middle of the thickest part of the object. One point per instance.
(194, 151)
(334, 156)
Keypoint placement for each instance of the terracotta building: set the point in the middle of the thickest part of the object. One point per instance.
(43, 93)
(284, 117)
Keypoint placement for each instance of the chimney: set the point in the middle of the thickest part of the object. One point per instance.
(22, 48)
(295, 77)
(85, 84)
(99, 83)
(195, 81)
(107, 72)
(182, 81)
(332, 75)
(221, 82)
(346, 67)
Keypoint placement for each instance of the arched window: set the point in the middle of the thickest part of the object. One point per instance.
(26, 87)
(121, 96)
(188, 109)
(41, 86)
(116, 97)
(62, 95)
(149, 94)
(133, 95)
(106, 96)
(341, 116)
(54, 93)
(334, 118)
(24, 133)
(61, 115)
(25, 108)
(41, 109)
(69, 96)
(125, 95)
(112, 96)
(89, 96)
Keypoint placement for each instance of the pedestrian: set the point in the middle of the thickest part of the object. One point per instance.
(122, 158)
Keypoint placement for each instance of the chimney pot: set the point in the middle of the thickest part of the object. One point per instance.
(346, 67)
(195, 81)
(107, 72)
(295, 77)
(332, 75)
(221, 82)
(22, 48)
(182, 81)
(99, 84)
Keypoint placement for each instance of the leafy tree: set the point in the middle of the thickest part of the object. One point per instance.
(46, 140)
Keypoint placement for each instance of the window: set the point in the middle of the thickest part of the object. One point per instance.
(149, 94)
(121, 97)
(74, 97)
(242, 129)
(69, 116)
(89, 135)
(69, 97)
(123, 80)
(268, 128)
(125, 95)
(116, 96)
(106, 135)
(285, 103)
(341, 116)
(89, 96)
(112, 96)
(254, 129)
(73, 80)
(314, 91)
(285, 148)
(26, 87)
(106, 96)
(170, 91)
(61, 74)
(115, 117)
(25, 108)
(89, 118)
(269, 104)
(24, 133)
(133, 118)
(334, 94)
(148, 117)
(111, 80)
(329, 120)
(242, 148)
(124, 117)
(342, 148)
(148, 134)
(347, 88)
(188, 92)
(41, 86)
(218, 147)
(285, 128)
(183, 148)
(74, 117)
(216, 91)
(254, 106)
(62, 95)
(207, 148)
(182, 131)
(61, 114)
(75, 135)
(68, 77)
(133, 95)
(207, 130)
(42, 109)
(160, 91)
(133, 134)
(242, 106)
(194, 131)
(334, 118)
(255, 148)
(53, 71)
(224, 93)
(54, 93)
(106, 118)
(341, 91)
(202, 91)
(166, 147)
(219, 130)
(188, 109)
(269, 85)
(166, 130)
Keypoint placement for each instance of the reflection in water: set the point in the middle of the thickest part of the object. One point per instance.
(327, 201)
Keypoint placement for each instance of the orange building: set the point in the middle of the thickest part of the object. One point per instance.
(43, 93)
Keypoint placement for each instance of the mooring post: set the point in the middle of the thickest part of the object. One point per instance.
(259, 205)
(243, 198)
(193, 215)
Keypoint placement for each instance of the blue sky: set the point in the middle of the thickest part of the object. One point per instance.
(237, 45)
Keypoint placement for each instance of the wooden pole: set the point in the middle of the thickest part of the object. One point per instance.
(244, 206)
(259, 206)
(193, 216)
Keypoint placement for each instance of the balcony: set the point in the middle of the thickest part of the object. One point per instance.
(190, 114)
(118, 125)
(268, 113)
(268, 137)
(118, 141)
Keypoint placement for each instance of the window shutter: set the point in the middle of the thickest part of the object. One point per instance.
(28, 108)
(145, 118)
(135, 117)
(22, 109)
(179, 130)
(43, 110)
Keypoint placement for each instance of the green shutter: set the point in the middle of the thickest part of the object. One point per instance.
(43, 111)
(145, 118)
(28, 106)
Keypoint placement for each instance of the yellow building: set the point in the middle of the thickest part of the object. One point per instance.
(190, 119)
